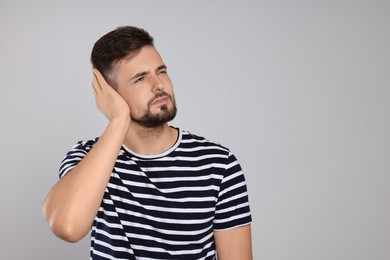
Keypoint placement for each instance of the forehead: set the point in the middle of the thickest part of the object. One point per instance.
(147, 58)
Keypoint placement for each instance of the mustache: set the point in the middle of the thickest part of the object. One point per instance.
(158, 95)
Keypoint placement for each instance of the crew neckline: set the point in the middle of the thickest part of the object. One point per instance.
(155, 156)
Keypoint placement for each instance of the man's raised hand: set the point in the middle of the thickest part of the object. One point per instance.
(108, 101)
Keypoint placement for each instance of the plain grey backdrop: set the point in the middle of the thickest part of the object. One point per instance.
(298, 90)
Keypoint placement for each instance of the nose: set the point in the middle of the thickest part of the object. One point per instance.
(158, 84)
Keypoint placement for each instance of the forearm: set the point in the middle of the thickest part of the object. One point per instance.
(73, 202)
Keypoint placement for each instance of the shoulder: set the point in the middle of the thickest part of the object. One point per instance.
(194, 141)
(81, 148)
(75, 155)
(85, 144)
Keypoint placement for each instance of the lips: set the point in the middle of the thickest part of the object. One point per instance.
(160, 100)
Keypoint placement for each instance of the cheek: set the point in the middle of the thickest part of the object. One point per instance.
(168, 82)
(137, 108)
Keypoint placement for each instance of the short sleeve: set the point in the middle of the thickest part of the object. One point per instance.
(74, 156)
(232, 209)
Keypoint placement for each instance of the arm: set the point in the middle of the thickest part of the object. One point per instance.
(234, 243)
(71, 205)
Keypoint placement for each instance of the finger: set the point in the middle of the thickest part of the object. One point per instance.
(95, 80)
(95, 86)
(94, 89)
(101, 80)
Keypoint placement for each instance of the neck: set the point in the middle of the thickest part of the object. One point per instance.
(150, 140)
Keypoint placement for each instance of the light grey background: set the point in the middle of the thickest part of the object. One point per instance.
(299, 90)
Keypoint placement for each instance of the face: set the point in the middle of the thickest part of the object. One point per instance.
(144, 83)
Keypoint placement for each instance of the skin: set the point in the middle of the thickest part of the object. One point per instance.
(72, 204)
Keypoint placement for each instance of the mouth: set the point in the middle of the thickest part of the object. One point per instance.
(160, 100)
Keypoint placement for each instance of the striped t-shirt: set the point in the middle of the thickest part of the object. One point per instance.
(167, 206)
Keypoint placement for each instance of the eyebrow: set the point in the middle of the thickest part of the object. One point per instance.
(140, 74)
(143, 73)
(162, 67)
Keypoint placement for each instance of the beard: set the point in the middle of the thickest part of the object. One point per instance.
(164, 115)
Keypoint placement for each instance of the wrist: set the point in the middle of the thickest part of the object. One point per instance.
(120, 123)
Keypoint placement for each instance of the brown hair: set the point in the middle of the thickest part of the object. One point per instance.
(116, 45)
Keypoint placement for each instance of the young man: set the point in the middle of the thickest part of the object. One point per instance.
(144, 189)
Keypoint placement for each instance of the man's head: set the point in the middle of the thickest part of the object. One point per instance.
(111, 48)
(129, 62)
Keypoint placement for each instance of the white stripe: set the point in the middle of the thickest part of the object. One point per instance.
(200, 148)
(114, 248)
(192, 140)
(238, 185)
(232, 176)
(161, 198)
(189, 178)
(165, 231)
(128, 171)
(179, 252)
(191, 158)
(108, 224)
(232, 198)
(128, 162)
(65, 171)
(233, 208)
(218, 221)
(169, 242)
(165, 220)
(181, 168)
(111, 236)
(163, 209)
(95, 252)
(151, 186)
(78, 153)
(232, 164)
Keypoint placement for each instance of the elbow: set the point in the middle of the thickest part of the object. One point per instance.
(62, 227)
(65, 230)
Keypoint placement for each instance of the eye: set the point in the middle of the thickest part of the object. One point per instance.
(162, 72)
(138, 80)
